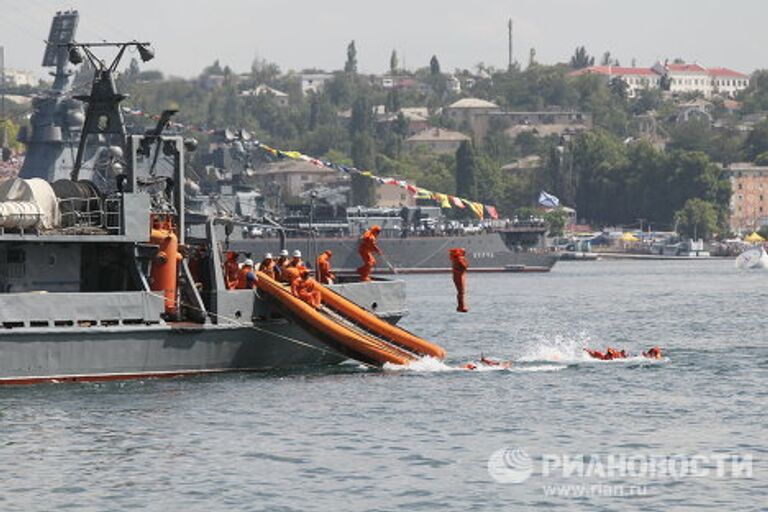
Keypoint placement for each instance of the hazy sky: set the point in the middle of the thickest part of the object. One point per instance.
(190, 34)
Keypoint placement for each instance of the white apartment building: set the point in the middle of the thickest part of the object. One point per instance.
(677, 78)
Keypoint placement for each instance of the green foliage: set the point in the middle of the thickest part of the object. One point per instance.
(10, 130)
(581, 58)
(755, 96)
(607, 180)
(697, 219)
(434, 66)
(350, 66)
(466, 168)
(619, 183)
(757, 141)
(762, 158)
(556, 222)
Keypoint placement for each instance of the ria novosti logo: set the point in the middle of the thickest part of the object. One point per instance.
(510, 466)
(514, 466)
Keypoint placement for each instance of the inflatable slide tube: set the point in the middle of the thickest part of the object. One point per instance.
(392, 333)
(356, 345)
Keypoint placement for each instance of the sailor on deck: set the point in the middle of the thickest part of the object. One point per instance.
(231, 270)
(282, 261)
(368, 247)
(267, 266)
(247, 277)
(324, 273)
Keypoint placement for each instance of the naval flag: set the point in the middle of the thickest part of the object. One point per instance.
(548, 200)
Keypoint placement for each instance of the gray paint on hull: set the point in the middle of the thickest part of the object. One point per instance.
(30, 353)
(483, 251)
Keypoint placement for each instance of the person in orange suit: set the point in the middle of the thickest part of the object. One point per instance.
(367, 248)
(459, 266)
(247, 277)
(293, 268)
(303, 287)
(231, 270)
(653, 353)
(268, 265)
(324, 273)
(609, 355)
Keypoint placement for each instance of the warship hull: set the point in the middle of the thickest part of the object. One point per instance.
(95, 337)
(114, 353)
(486, 252)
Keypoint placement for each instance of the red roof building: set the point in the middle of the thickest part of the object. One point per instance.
(679, 78)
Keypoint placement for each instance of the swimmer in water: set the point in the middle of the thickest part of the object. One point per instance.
(611, 353)
(487, 362)
(653, 353)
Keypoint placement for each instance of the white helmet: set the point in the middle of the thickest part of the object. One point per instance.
(248, 263)
(297, 253)
(284, 252)
(268, 256)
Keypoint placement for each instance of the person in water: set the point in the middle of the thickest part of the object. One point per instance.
(611, 353)
(653, 353)
(487, 362)
(304, 288)
(459, 266)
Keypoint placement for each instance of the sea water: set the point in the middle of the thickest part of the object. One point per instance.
(556, 431)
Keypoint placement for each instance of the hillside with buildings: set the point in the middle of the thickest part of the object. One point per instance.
(618, 144)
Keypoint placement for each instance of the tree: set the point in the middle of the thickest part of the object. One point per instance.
(581, 58)
(362, 116)
(393, 100)
(434, 66)
(608, 60)
(351, 65)
(264, 72)
(556, 221)
(757, 141)
(393, 63)
(619, 88)
(364, 158)
(697, 219)
(466, 164)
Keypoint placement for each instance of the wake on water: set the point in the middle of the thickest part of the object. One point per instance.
(556, 354)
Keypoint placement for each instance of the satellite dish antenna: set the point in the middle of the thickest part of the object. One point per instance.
(245, 134)
(229, 135)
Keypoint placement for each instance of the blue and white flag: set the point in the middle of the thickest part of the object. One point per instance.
(548, 200)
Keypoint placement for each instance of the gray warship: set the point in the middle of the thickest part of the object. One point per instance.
(81, 260)
(414, 239)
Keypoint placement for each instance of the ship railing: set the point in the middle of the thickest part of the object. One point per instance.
(93, 212)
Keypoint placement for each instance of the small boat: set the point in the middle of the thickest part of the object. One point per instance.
(755, 258)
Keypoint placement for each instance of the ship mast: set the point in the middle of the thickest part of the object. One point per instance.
(103, 115)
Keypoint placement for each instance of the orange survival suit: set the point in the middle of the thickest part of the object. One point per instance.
(303, 287)
(267, 266)
(231, 270)
(246, 278)
(324, 273)
(367, 248)
(459, 265)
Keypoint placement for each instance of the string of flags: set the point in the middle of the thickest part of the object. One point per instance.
(444, 200)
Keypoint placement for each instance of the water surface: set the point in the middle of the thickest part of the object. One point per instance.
(347, 438)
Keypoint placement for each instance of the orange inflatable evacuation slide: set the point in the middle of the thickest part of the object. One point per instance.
(349, 329)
